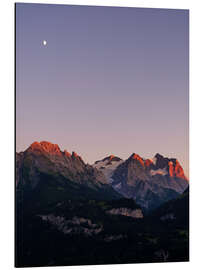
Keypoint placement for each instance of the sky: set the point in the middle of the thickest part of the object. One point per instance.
(109, 80)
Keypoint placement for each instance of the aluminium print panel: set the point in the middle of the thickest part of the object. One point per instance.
(102, 133)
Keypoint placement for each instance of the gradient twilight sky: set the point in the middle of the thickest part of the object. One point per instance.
(109, 81)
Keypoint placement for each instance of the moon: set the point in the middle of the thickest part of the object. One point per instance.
(44, 42)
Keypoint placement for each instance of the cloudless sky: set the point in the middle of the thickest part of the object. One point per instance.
(109, 81)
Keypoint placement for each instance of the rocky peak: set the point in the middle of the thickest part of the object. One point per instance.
(109, 159)
(171, 165)
(53, 150)
(137, 158)
(46, 147)
(158, 156)
(161, 162)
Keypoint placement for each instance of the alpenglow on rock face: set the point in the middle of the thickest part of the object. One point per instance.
(150, 182)
(44, 171)
(45, 157)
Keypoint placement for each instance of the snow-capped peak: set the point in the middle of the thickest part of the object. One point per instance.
(108, 165)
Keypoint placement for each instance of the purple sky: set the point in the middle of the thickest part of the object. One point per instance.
(110, 80)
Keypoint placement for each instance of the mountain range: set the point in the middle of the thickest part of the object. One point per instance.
(150, 182)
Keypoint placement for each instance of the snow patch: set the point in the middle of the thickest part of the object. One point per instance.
(107, 168)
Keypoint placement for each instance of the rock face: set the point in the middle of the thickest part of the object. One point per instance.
(137, 213)
(172, 166)
(43, 167)
(45, 157)
(150, 182)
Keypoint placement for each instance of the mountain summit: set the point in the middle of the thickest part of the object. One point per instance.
(108, 165)
(46, 147)
(137, 158)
